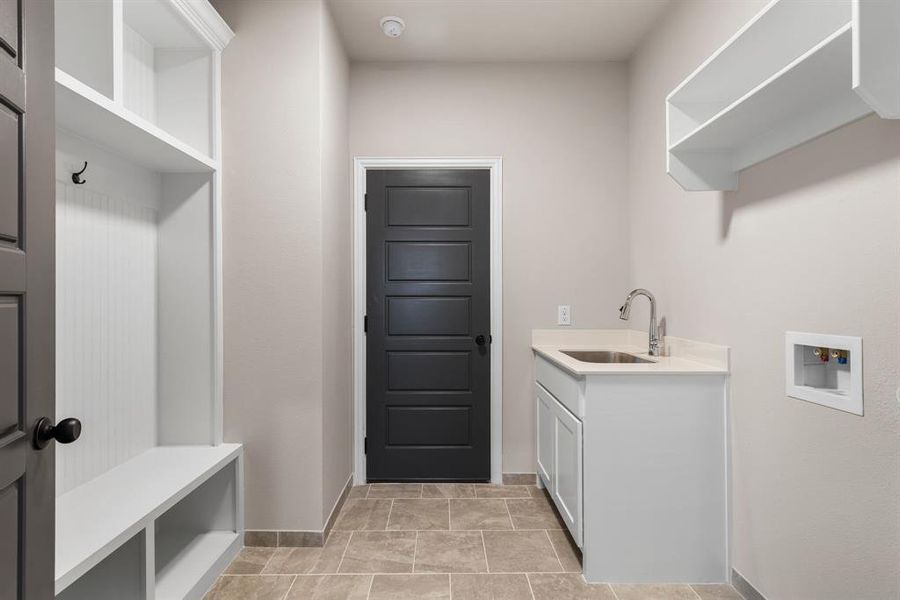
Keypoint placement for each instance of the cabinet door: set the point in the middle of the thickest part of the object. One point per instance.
(567, 487)
(546, 428)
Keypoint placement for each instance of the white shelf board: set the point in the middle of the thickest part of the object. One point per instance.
(97, 517)
(195, 561)
(808, 98)
(89, 114)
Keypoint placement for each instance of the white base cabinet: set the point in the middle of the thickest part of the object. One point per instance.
(639, 472)
(559, 458)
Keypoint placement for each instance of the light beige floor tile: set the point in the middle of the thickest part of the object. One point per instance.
(395, 490)
(567, 586)
(361, 514)
(379, 552)
(501, 491)
(419, 514)
(512, 586)
(450, 552)
(520, 552)
(331, 587)
(410, 587)
(566, 550)
(533, 513)
(654, 592)
(250, 561)
(716, 591)
(358, 491)
(448, 490)
(250, 587)
(536, 492)
(479, 514)
(332, 553)
(293, 561)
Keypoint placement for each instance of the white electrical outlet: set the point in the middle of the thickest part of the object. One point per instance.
(564, 315)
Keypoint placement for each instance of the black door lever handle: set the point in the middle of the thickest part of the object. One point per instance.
(480, 340)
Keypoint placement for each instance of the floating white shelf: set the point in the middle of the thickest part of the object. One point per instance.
(89, 114)
(792, 74)
(97, 517)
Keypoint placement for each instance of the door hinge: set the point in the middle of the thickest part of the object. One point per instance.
(365, 445)
(365, 202)
(366, 324)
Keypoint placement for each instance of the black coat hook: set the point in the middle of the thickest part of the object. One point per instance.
(76, 177)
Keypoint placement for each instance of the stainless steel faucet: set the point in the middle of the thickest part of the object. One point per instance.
(625, 312)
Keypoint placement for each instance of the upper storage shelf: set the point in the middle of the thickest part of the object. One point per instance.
(799, 69)
(137, 76)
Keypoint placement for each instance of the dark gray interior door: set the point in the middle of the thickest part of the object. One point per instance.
(428, 355)
(26, 297)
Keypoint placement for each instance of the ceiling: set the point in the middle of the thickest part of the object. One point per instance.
(496, 30)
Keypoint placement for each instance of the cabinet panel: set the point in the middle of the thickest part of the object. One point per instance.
(545, 435)
(565, 388)
(567, 487)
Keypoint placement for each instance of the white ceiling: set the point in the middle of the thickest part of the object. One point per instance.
(496, 30)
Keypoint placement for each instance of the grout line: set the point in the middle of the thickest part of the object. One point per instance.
(290, 587)
(484, 547)
(615, 595)
(530, 589)
(344, 553)
(371, 583)
(509, 514)
(415, 551)
(555, 553)
(390, 510)
(695, 592)
(268, 560)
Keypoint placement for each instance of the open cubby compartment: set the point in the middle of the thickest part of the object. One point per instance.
(168, 72)
(197, 538)
(136, 309)
(815, 374)
(137, 316)
(122, 575)
(85, 47)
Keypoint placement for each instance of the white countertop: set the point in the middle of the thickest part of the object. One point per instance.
(681, 356)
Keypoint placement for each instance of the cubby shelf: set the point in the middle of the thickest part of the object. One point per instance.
(796, 71)
(193, 557)
(89, 114)
(97, 517)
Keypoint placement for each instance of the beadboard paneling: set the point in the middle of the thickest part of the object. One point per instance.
(106, 324)
(140, 75)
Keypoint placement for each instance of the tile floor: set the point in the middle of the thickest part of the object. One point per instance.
(437, 542)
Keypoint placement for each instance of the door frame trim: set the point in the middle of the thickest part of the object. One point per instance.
(360, 165)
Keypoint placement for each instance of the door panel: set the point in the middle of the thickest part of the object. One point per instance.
(567, 487)
(10, 398)
(428, 316)
(428, 207)
(428, 299)
(428, 261)
(428, 371)
(10, 181)
(546, 425)
(26, 298)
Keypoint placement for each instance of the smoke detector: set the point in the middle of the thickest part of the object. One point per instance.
(392, 26)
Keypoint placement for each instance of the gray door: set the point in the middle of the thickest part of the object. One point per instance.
(26, 297)
(428, 356)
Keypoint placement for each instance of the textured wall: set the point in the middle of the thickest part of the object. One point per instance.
(272, 219)
(810, 242)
